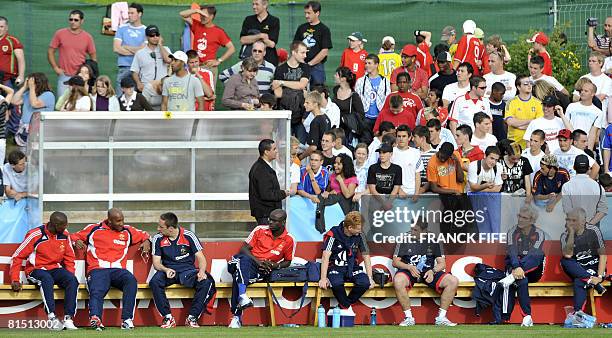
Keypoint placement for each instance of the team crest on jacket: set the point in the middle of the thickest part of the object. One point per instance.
(121, 236)
(61, 247)
(183, 250)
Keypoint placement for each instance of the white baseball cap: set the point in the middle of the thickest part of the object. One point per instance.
(469, 26)
(388, 38)
(179, 55)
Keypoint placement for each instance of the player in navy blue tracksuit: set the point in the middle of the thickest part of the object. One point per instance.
(584, 258)
(175, 252)
(339, 260)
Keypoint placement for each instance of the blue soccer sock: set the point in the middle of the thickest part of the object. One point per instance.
(241, 289)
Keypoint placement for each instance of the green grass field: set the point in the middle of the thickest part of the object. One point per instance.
(358, 331)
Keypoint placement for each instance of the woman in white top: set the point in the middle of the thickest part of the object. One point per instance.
(78, 99)
(103, 96)
(361, 170)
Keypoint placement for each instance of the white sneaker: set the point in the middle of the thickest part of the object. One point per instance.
(68, 323)
(235, 323)
(444, 322)
(127, 324)
(245, 302)
(55, 324)
(507, 281)
(408, 321)
(527, 321)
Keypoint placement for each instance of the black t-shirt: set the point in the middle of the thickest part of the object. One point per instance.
(586, 247)
(328, 163)
(345, 105)
(270, 25)
(315, 37)
(286, 73)
(319, 125)
(443, 80)
(516, 175)
(385, 179)
(412, 253)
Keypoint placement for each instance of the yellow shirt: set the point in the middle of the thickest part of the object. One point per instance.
(523, 110)
(388, 63)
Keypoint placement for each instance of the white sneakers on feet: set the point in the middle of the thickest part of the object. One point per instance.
(507, 281)
(245, 302)
(444, 322)
(235, 323)
(527, 321)
(68, 323)
(56, 324)
(408, 321)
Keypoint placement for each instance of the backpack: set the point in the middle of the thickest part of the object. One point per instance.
(310, 272)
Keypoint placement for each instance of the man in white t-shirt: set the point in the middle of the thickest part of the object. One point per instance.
(536, 64)
(482, 131)
(585, 115)
(464, 107)
(498, 74)
(566, 154)
(462, 86)
(409, 159)
(534, 153)
(549, 123)
(484, 186)
(601, 81)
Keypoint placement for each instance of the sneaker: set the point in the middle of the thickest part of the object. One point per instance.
(444, 322)
(235, 323)
(95, 323)
(127, 324)
(168, 323)
(507, 281)
(408, 321)
(68, 323)
(192, 322)
(55, 324)
(527, 321)
(245, 302)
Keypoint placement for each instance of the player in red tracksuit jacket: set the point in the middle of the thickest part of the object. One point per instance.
(107, 245)
(49, 258)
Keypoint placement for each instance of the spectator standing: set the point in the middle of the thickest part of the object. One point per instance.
(241, 90)
(448, 37)
(361, 170)
(482, 137)
(469, 49)
(15, 176)
(182, 89)
(394, 113)
(584, 192)
(4, 106)
(409, 159)
(103, 97)
(373, 90)
(607, 149)
(314, 178)
(150, 65)
(540, 40)
(551, 123)
(206, 78)
(12, 60)
(498, 74)
(465, 148)
(317, 38)
(129, 39)
(78, 99)
(586, 116)
(566, 154)
(498, 110)
(459, 88)
(536, 66)
(465, 106)
(73, 44)
(265, 69)
(484, 185)
(265, 193)
(601, 43)
(548, 181)
(208, 37)
(521, 110)
(354, 56)
(349, 103)
(446, 75)
(34, 96)
(389, 59)
(516, 170)
(424, 58)
(600, 80)
(385, 177)
(420, 84)
(535, 153)
(411, 103)
(343, 182)
(439, 135)
(421, 141)
(319, 125)
(131, 100)
(261, 26)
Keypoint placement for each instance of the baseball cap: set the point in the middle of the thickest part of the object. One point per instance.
(357, 36)
(478, 33)
(75, 81)
(388, 38)
(444, 57)
(410, 50)
(151, 29)
(127, 82)
(565, 133)
(550, 160)
(581, 162)
(447, 32)
(179, 55)
(540, 38)
(385, 148)
(282, 55)
(469, 26)
(550, 101)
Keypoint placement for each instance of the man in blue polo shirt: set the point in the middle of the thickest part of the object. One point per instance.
(175, 250)
(268, 247)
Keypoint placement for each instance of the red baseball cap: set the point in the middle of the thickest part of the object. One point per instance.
(540, 38)
(565, 133)
(410, 50)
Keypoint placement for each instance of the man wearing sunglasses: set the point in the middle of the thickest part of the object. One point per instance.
(73, 44)
(522, 109)
(265, 70)
(465, 106)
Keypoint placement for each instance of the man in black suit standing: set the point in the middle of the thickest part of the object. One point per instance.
(265, 193)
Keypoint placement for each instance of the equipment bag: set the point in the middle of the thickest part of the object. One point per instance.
(310, 272)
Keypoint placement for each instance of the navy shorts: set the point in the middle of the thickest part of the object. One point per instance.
(435, 283)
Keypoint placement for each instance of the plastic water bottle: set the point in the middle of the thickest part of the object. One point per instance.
(321, 316)
(336, 318)
(373, 317)
(422, 263)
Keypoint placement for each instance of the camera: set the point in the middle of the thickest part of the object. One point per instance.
(592, 22)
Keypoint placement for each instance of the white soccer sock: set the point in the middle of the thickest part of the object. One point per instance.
(169, 316)
(408, 313)
(442, 313)
(51, 315)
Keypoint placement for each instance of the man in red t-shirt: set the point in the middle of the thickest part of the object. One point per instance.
(420, 83)
(354, 57)
(74, 44)
(469, 49)
(12, 61)
(206, 78)
(208, 37)
(540, 40)
(410, 104)
(424, 58)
